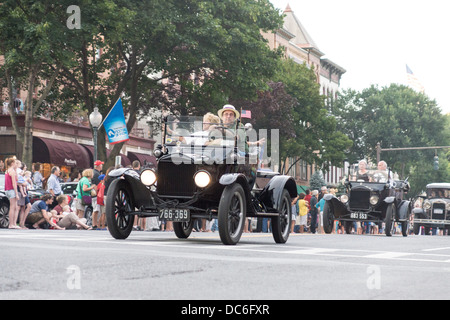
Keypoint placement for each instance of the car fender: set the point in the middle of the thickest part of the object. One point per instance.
(272, 192)
(230, 178)
(338, 208)
(404, 210)
(124, 171)
(419, 213)
(141, 195)
(389, 200)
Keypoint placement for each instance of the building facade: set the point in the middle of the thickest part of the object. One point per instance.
(301, 48)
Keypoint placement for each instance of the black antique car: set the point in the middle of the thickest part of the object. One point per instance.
(372, 197)
(201, 174)
(434, 210)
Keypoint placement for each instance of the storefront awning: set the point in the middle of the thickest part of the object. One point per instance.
(125, 161)
(302, 189)
(60, 153)
(142, 158)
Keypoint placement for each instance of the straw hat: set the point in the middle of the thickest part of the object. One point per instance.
(228, 107)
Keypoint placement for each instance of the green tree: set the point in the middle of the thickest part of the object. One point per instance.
(165, 45)
(316, 138)
(32, 34)
(316, 182)
(396, 117)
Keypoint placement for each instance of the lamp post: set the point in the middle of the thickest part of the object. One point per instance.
(95, 118)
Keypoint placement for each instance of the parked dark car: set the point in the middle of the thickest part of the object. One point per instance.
(200, 174)
(434, 210)
(4, 210)
(4, 204)
(378, 198)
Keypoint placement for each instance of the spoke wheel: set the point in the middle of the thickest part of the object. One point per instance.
(281, 225)
(389, 220)
(4, 215)
(328, 217)
(118, 206)
(183, 229)
(231, 214)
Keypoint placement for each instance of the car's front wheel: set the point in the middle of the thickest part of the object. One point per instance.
(328, 217)
(118, 206)
(231, 214)
(389, 220)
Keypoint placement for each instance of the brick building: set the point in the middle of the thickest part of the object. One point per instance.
(300, 47)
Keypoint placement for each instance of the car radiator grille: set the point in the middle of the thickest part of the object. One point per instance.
(175, 180)
(438, 211)
(359, 200)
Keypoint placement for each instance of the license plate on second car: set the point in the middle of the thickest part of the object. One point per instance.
(176, 215)
(358, 215)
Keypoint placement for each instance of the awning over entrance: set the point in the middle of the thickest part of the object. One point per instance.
(142, 158)
(125, 161)
(302, 189)
(60, 153)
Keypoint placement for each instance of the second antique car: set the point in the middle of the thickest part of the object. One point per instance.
(371, 197)
(204, 171)
(435, 209)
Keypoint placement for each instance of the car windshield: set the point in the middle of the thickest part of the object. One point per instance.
(362, 172)
(189, 132)
(438, 193)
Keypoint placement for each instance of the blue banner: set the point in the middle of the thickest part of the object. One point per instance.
(115, 125)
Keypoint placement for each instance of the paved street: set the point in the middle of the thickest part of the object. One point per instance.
(41, 264)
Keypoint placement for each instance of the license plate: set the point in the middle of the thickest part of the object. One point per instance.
(176, 215)
(358, 215)
(438, 211)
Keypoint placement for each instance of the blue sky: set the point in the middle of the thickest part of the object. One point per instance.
(374, 40)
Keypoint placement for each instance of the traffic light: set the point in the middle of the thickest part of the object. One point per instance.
(436, 163)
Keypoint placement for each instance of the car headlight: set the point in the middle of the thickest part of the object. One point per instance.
(374, 200)
(202, 179)
(148, 177)
(427, 205)
(447, 206)
(157, 153)
(344, 198)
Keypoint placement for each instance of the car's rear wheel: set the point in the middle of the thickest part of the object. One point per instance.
(183, 229)
(118, 206)
(231, 214)
(281, 225)
(389, 220)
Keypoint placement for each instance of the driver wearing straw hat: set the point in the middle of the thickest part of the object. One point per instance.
(228, 114)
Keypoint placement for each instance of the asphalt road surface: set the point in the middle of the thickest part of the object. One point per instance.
(50, 264)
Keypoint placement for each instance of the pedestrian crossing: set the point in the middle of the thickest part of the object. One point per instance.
(257, 244)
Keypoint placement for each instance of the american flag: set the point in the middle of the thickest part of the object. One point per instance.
(246, 114)
(413, 82)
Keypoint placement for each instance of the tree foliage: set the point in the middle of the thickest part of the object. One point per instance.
(152, 51)
(396, 117)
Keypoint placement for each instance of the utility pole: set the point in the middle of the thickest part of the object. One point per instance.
(379, 149)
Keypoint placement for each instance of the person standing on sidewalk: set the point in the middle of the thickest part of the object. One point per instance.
(98, 167)
(313, 210)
